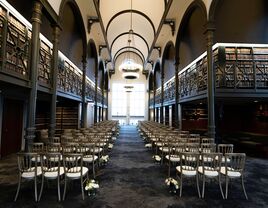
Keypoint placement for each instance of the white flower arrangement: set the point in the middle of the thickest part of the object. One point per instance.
(173, 184)
(91, 186)
(110, 146)
(104, 159)
(157, 158)
(113, 138)
(148, 145)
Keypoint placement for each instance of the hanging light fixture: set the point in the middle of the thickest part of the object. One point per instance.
(130, 66)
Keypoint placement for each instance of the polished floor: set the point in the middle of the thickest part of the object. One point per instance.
(132, 179)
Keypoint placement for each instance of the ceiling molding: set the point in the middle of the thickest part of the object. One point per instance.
(126, 52)
(129, 11)
(126, 33)
(115, 56)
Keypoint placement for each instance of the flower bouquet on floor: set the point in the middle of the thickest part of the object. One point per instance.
(157, 158)
(172, 184)
(91, 187)
(104, 159)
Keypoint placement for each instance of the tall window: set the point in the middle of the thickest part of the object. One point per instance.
(137, 100)
(130, 105)
(119, 100)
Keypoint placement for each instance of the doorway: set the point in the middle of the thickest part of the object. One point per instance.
(11, 127)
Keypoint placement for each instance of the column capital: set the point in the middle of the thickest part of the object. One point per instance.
(210, 27)
(37, 12)
(56, 33)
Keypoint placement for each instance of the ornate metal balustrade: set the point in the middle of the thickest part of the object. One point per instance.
(99, 96)
(15, 41)
(169, 91)
(15, 38)
(90, 89)
(69, 76)
(45, 60)
(158, 96)
(243, 66)
(193, 78)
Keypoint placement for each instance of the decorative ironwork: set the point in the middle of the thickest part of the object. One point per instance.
(90, 90)
(44, 67)
(17, 47)
(241, 67)
(158, 96)
(193, 80)
(69, 77)
(169, 90)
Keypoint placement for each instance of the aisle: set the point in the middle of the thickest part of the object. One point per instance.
(131, 176)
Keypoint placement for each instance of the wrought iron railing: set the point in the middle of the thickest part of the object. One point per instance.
(193, 78)
(241, 66)
(15, 38)
(15, 41)
(158, 99)
(169, 90)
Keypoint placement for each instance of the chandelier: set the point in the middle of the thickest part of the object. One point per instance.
(130, 67)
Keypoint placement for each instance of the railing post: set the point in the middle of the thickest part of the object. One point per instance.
(96, 99)
(3, 44)
(211, 83)
(53, 104)
(34, 60)
(177, 121)
(84, 104)
(162, 100)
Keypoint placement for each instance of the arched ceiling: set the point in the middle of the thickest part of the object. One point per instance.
(116, 18)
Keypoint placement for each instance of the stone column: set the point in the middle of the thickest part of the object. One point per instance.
(176, 111)
(211, 83)
(33, 63)
(52, 125)
(154, 114)
(84, 103)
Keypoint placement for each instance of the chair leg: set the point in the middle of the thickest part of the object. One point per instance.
(93, 168)
(35, 189)
(180, 185)
(219, 179)
(203, 186)
(18, 189)
(58, 181)
(243, 185)
(65, 185)
(197, 184)
(41, 190)
(82, 189)
(226, 187)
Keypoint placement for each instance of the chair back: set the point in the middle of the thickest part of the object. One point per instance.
(72, 163)
(208, 147)
(207, 140)
(51, 162)
(189, 161)
(27, 162)
(225, 148)
(211, 161)
(237, 162)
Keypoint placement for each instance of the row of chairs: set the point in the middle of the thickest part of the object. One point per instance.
(193, 149)
(65, 160)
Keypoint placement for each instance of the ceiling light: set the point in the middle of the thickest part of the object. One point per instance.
(130, 75)
(130, 66)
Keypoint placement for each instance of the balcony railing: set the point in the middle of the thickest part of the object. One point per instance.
(169, 90)
(158, 96)
(15, 38)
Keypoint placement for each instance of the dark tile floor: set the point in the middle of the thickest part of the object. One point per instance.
(132, 179)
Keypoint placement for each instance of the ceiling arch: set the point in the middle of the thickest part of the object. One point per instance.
(131, 48)
(126, 33)
(119, 16)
